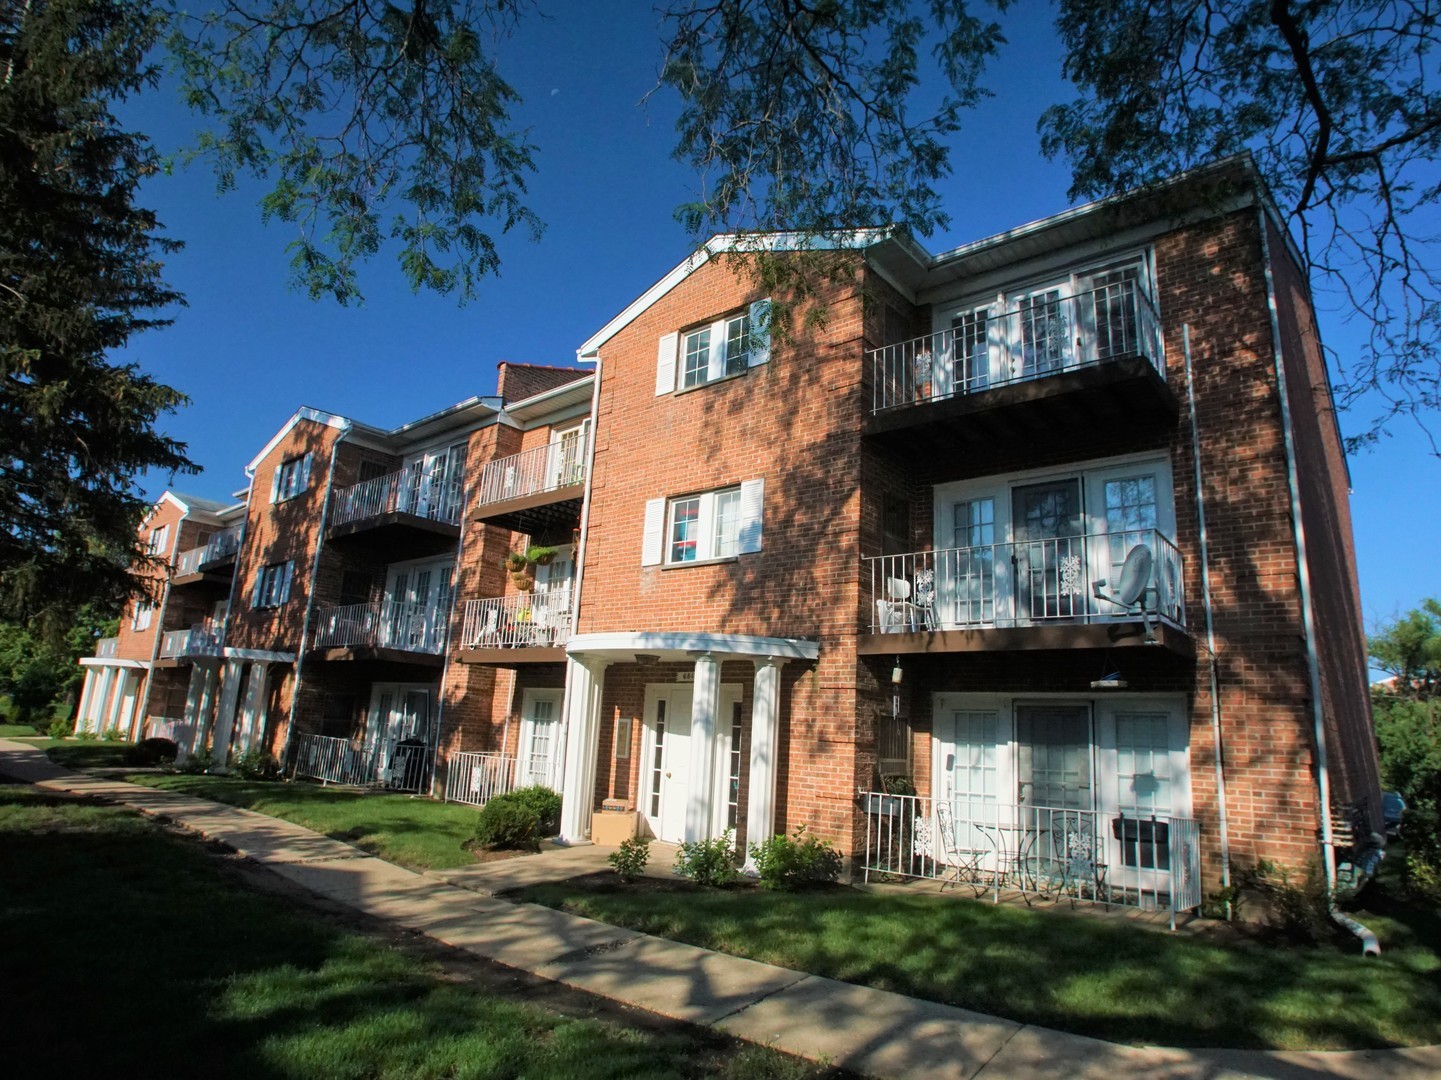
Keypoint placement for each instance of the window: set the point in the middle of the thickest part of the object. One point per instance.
(701, 528)
(292, 478)
(144, 610)
(355, 587)
(725, 347)
(159, 541)
(272, 585)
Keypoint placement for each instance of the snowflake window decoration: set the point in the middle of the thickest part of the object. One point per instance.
(1071, 575)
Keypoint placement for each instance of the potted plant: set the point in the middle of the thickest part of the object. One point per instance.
(522, 581)
(541, 554)
(516, 562)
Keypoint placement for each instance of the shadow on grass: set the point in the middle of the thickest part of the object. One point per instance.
(1093, 976)
(125, 946)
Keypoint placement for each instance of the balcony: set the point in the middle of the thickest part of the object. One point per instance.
(537, 490)
(528, 627)
(1031, 594)
(411, 512)
(106, 647)
(213, 561)
(202, 639)
(1055, 366)
(385, 630)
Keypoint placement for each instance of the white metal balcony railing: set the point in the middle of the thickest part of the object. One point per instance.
(475, 778)
(385, 624)
(1125, 857)
(202, 639)
(546, 468)
(432, 496)
(106, 647)
(1048, 334)
(219, 547)
(339, 761)
(527, 619)
(1022, 584)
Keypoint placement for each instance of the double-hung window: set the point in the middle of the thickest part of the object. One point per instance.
(159, 540)
(705, 526)
(722, 348)
(272, 585)
(144, 611)
(291, 478)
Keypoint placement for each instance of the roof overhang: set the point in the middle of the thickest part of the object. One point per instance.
(633, 647)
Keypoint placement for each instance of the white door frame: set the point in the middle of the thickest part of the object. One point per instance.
(729, 694)
(528, 726)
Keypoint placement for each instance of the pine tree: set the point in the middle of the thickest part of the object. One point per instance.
(80, 272)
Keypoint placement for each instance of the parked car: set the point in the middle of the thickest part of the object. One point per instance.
(1392, 807)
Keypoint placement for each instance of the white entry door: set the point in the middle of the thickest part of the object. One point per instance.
(666, 779)
(540, 715)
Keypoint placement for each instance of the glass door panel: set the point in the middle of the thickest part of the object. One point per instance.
(1053, 756)
(1048, 552)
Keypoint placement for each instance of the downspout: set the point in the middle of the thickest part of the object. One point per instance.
(1210, 626)
(564, 739)
(1369, 946)
(310, 596)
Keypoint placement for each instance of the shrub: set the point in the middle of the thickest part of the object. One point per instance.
(202, 761)
(152, 752)
(111, 734)
(507, 823)
(255, 764)
(709, 862)
(545, 803)
(58, 729)
(791, 862)
(86, 735)
(630, 858)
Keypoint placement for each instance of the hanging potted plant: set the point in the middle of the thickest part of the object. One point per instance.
(522, 581)
(516, 562)
(541, 554)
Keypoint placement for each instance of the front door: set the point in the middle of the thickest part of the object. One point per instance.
(667, 763)
(1047, 526)
(398, 733)
(540, 713)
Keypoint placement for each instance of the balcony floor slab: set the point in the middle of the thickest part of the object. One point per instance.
(1050, 636)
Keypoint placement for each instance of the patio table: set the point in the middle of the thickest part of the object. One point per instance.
(1015, 848)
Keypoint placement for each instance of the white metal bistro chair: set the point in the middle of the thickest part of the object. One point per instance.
(963, 861)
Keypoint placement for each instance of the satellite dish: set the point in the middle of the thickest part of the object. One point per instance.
(1135, 575)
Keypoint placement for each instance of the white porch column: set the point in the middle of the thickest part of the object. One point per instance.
(252, 710)
(705, 706)
(225, 715)
(582, 730)
(200, 704)
(87, 698)
(91, 721)
(765, 739)
(112, 714)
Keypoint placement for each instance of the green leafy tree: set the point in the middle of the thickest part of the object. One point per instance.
(1338, 101)
(40, 673)
(79, 275)
(1408, 732)
(376, 121)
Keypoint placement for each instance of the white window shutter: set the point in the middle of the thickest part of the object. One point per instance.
(652, 546)
(753, 494)
(287, 574)
(304, 483)
(257, 592)
(665, 364)
(275, 482)
(760, 332)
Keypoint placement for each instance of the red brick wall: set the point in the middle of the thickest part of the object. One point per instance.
(1330, 551)
(516, 382)
(140, 644)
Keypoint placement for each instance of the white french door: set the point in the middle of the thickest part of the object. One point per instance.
(665, 771)
(398, 731)
(539, 724)
(417, 605)
(567, 455)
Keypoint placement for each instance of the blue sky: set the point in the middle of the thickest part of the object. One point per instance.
(249, 352)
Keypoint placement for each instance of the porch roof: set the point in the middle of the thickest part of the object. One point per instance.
(629, 646)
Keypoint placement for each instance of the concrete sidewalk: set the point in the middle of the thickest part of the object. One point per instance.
(868, 1031)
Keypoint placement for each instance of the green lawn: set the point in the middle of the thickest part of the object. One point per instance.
(1079, 973)
(17, 731)
(419, 833)
(128, 948)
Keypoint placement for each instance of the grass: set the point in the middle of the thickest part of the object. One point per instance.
(421, 834)
(128, 947)
(17, 731)
(1070, 971)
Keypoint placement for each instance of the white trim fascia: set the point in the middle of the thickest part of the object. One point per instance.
(729, 646)
(723, 243)
(269, 655)
(515, 410)
(303, 413)
(96, 661)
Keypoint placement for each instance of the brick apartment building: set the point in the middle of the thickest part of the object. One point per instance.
(1050, 530)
